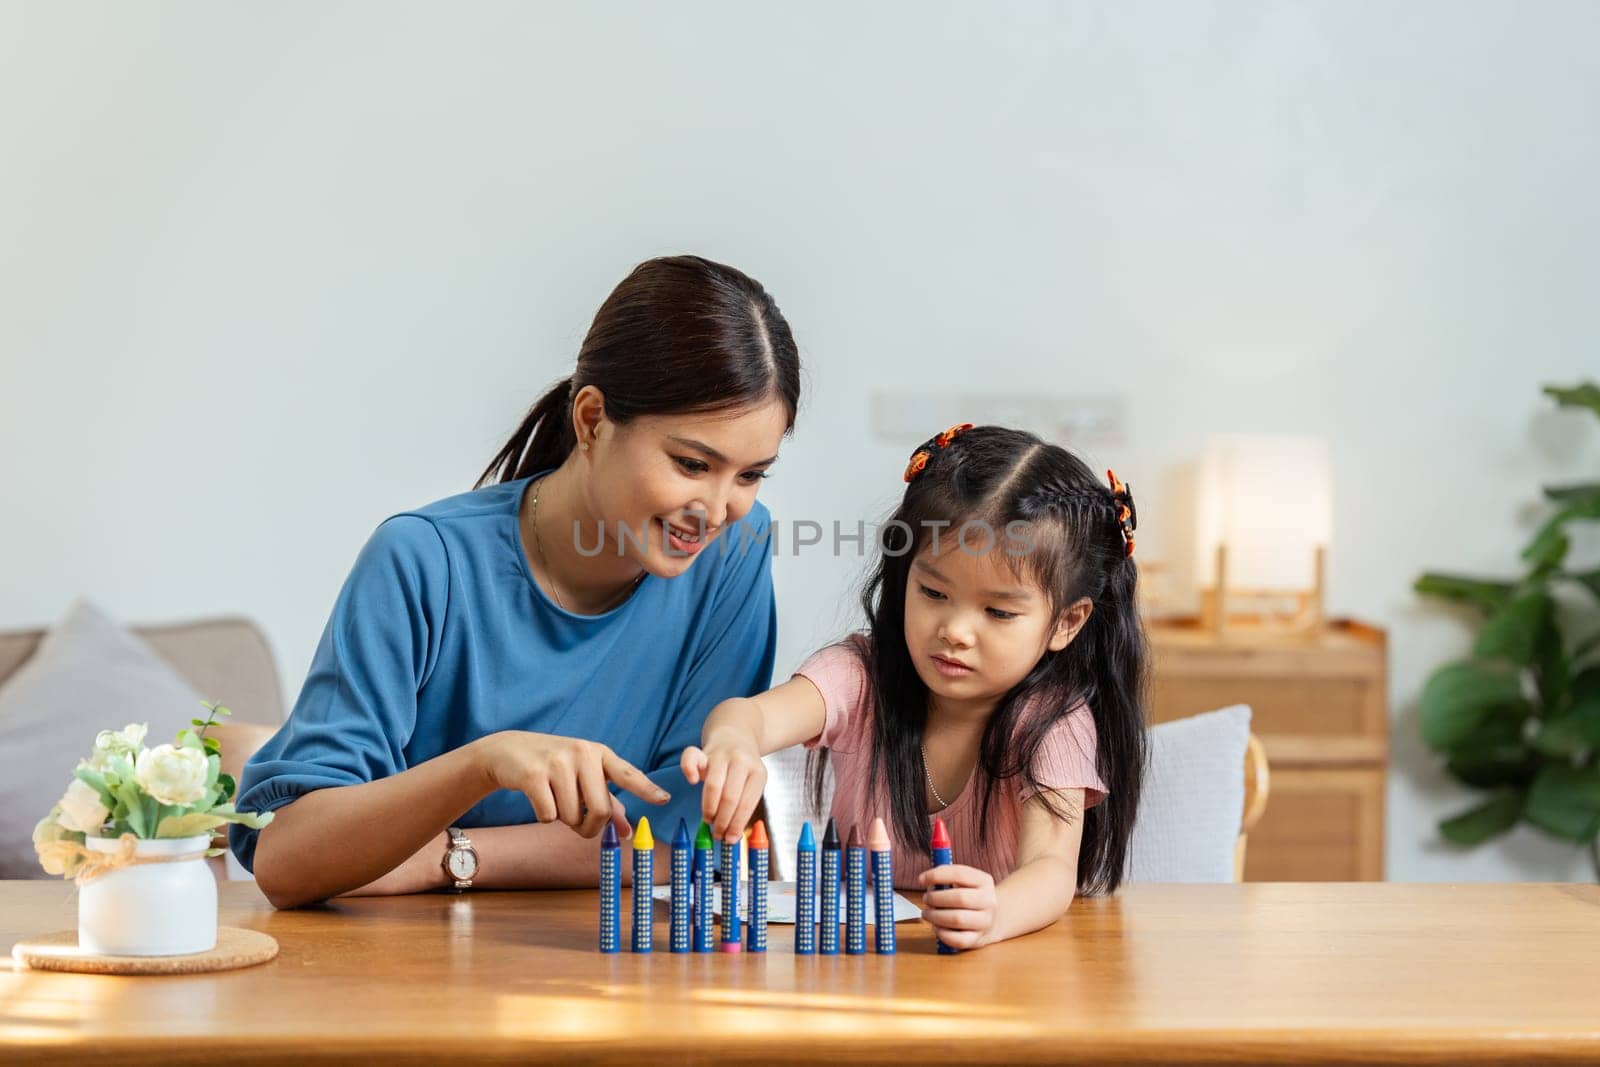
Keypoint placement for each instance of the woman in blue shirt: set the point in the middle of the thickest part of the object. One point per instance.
(498, 660)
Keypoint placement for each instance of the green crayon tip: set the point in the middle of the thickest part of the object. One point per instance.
(702, 837)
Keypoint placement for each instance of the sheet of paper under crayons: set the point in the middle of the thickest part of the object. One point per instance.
(781, 898)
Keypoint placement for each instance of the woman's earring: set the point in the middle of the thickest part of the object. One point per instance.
(586, 446)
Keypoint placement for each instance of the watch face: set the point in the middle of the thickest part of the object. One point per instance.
(463, 863)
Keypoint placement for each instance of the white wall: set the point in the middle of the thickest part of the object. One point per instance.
(270, 273)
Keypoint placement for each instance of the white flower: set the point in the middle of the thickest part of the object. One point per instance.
(125, 743)
(56, 845)
(81, 809)
(174, 776)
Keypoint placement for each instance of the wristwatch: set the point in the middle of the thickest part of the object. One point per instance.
(460, 860)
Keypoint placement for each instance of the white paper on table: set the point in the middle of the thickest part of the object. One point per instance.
(781, 903)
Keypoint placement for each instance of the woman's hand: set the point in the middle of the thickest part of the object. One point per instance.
(734, 776)
(963, 914)
(564, 778)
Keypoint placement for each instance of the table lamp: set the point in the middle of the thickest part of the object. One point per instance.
(1265, 509)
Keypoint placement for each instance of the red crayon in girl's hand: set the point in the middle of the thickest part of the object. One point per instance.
(940, 847)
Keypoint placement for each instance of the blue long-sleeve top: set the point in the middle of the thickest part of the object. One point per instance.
(441, 636)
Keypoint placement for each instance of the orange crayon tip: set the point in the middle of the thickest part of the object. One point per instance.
(758, 835)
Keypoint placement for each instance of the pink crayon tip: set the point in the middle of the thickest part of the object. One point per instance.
(941, 836)
(731, 946)
(878, 840)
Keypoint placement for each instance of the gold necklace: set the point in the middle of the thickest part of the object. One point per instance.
(941, 801)
(544, 564)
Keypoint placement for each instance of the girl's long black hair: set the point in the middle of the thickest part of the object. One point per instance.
(1072, 546)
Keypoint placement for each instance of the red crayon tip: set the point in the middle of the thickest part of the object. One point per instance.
(941, 836)
(758, 835)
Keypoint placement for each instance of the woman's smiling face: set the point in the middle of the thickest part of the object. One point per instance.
(666, 486)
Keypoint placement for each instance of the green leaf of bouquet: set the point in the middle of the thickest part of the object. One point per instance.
(226, 787)
(1491, 818)
(1584, 395)
(188, 739)
(1565, 801)
(197, 722)
(96, 781)
(1486, 594)
(1458, 697)
(213, 746)
(1513, 632)
(190, 825)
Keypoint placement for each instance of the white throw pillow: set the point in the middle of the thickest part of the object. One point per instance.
(87, 675)
(1193, 801)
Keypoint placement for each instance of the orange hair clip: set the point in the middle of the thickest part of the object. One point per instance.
(1127, 518)
(944, 439)
(914, 468)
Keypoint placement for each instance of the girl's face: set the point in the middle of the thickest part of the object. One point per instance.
(973, 628)
(676, 482)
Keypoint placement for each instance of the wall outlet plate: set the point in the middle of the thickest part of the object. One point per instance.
(1072, 420)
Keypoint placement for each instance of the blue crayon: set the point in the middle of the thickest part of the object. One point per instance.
(610, 891)
(729, 857)
(829, 934)
(680, 888)
(882, 887)
(702, 889)
(760, 860)
(805, 893)
(941, 858)
(855, 896)
(644, 880)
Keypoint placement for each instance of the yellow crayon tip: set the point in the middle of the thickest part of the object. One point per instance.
(641, 837)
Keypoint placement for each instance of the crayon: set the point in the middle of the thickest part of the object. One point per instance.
(760, 863)
(729, 855)
(805, 893)
(702, 889)
(829, 932)
(941, 858)
(610, 890)
(680, 888)
(882, 887)
(644, 880)
(855, 895)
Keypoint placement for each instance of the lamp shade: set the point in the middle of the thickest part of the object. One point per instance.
(1269, 500)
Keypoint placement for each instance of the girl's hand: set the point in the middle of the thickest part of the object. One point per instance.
(962, 915)
(564, 778)
(734, 778)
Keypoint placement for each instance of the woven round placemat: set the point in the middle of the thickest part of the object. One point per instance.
(60, 952)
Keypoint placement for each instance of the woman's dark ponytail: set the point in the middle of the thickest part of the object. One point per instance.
(542, 441)
(678, 335)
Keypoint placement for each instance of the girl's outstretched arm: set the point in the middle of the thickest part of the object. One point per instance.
(976, 912)
(736, 735)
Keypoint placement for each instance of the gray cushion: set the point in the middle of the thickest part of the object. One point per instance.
(88, 674)
(1193, 801)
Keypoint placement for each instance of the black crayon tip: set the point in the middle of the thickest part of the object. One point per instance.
(831, 838)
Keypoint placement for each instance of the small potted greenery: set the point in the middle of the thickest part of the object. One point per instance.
(1520, 717)
(134, 828)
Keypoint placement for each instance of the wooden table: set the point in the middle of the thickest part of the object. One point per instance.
(1296, 973)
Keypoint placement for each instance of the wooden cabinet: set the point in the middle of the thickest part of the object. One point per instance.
(1319, 705)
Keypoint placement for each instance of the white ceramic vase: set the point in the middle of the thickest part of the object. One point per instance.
(152, 909)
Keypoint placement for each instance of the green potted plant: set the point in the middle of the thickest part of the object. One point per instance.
(1520, 717)
(134, 828)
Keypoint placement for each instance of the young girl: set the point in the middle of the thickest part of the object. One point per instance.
(999, 687)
